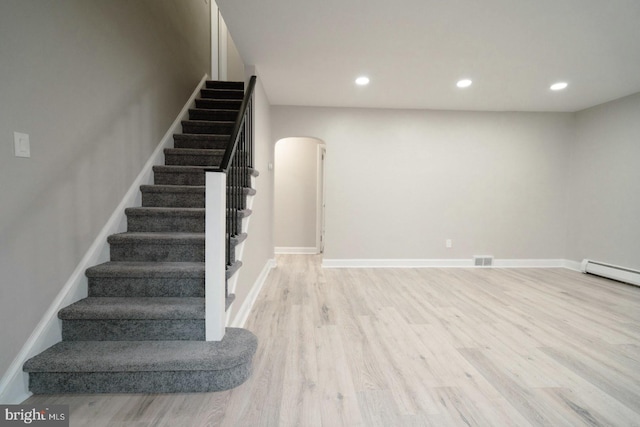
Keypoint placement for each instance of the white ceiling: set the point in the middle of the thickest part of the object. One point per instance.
(309, 52)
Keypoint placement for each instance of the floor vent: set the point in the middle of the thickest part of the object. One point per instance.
(483, 261)
(609, 271)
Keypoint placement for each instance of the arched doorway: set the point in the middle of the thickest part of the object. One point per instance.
(299, 195)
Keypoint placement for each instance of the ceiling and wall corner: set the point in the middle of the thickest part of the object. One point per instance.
(415, 51)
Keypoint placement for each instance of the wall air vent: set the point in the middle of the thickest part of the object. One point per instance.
(483, 261)
(609, 271)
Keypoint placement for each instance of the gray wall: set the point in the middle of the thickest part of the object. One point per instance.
(401, 182)
(295, 200)
(604, 196)
(95, 84)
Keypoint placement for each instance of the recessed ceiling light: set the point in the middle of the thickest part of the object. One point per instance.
(464, 83)
(558, 86)
(362, 81)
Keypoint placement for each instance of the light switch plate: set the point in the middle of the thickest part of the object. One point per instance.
(21, 144)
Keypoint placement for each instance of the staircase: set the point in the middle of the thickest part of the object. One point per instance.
(142, 327)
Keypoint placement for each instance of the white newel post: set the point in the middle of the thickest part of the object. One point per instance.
(215, 221)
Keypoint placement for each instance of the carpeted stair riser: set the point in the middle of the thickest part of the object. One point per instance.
(132, 330)
(131, 248)
(179, 220)
(189, 249)
(188, 175)
(178, 175)
(216, 104)
(197, 157)
(184, 196)
(222, 94)
(214, 84)
(213, 115)
(126, 279)
(193, 157)
(142, 287)
(139, 382)
(187, 220)
(206, 127)
(133, 319)
(172, 196)
(201, 141)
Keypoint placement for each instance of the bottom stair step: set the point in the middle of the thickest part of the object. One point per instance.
(143, 366)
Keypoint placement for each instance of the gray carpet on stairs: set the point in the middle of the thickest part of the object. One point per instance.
(142, 327)
(144, 366)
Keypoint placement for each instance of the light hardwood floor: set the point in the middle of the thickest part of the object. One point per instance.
(417, 347)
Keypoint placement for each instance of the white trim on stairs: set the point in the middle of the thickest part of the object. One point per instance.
(241, 317)
(14, 383)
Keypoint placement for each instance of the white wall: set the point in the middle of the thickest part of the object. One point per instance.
(95, 85)
(401, 182)
(604, 196)
(296, 184)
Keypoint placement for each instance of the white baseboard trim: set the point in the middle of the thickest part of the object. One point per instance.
(14, 383)
(281, 250)
(572, 265)
(243, 314)
(444, 263)
(528, 263)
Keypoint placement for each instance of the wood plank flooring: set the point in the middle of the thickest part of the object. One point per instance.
(417, 347)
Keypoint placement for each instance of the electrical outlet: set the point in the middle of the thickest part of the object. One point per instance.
(448, 243)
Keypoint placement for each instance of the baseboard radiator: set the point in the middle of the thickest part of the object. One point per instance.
(621, 274)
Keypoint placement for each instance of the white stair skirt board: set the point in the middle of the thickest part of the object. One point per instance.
(441, 263)
(232, 283)
(14, 383)
(295, 250)
(243, 313)
(610, 271)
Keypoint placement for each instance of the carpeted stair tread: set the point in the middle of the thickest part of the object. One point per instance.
(196, 151)
(152, 270)
(222, 93)
(126, 308)
(159, 238)
(237, 347)
(231, 104)
(207, 126)
(231, 269)
(147, 269)
(238, 238)
(246, 190)
(212, 114)
(200, 140)
(220, 84)
(172, 188)
(193, 157)
(188, 175)
(241, 213)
